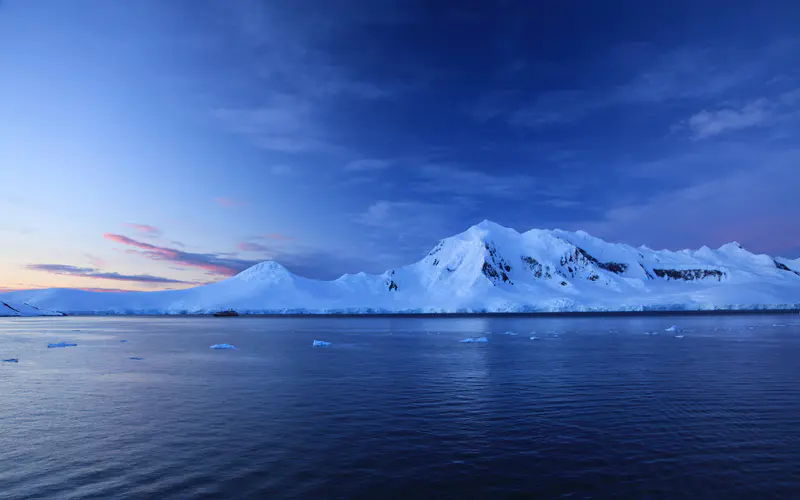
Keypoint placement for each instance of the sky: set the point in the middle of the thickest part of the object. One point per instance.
(156, 144)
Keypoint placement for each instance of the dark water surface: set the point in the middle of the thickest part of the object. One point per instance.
(397, 408)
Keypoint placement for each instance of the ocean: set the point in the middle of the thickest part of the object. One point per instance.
(591, 407)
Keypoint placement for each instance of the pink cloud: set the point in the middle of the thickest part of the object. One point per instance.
(213, 263)
(228, 202)
(143, 229)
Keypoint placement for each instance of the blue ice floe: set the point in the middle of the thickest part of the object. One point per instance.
(651, 333)
(534, 338)
(510, 333)
(474, 340)
(320, 343)
(10, 360)
(123, 341)
(222, 346)
(673, 328)
(679, 336)
(60, 344)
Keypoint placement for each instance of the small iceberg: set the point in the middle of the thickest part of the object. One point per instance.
(60, 344)
(136, 358)
(778, 325)
(473, 340)
(679, 336)
(510, 333)
(10, 360)
(651, 333)
(320, 343)
(534, 338)
(222, 346)
(673, 328)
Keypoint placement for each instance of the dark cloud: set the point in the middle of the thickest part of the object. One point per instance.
(213, 263)
(91, 272)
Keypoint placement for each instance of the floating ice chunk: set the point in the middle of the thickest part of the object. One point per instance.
(60, 344)
(510, 333)
(474, 339)
(673, 328)
(222, 346)
(534, 338)
(651, 333)
(136, 358)
(678, 336)
(320, 343)
(778, 325)
(10, 360)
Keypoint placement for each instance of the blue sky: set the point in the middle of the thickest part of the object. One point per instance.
(150, 144)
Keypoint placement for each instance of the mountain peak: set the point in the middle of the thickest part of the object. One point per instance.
(263, 271)
(487, 225)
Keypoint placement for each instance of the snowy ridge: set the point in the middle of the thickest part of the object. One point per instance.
(488, 268)
(8, 308)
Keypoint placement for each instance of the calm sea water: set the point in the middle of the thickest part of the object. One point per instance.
(397, 408)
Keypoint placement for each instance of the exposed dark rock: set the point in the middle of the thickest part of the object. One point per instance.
(689, 274)
(435, 262)
(593, 277)
(784, 267)
(581, 258)
(649, 276)
(437, 248)
(392, 285)
(614, 267)
(502, 267)
(537, 268)
(563, 283)
(8, 306)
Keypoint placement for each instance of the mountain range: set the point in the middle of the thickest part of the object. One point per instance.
(488, 268)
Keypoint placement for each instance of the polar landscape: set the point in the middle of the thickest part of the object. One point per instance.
(486, 269)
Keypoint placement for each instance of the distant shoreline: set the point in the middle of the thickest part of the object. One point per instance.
(578, 314)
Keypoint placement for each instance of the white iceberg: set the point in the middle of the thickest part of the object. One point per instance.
(222, 346)
(320, 343)
(651, 333)
(673, 328)
(678, 336)
(474, 339)
(510, 333)
(534, 338)
(60, 344)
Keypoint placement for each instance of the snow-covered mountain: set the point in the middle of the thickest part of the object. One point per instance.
(23, 309)
(488, 268)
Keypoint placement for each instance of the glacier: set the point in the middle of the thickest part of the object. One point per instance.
(486, 269)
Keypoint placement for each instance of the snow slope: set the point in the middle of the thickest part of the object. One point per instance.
(488, 268)
(8, 308)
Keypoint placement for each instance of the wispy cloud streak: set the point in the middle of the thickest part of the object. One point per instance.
(91, 272)
(212, 263)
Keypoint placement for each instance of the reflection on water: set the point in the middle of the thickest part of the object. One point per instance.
(398, 408)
